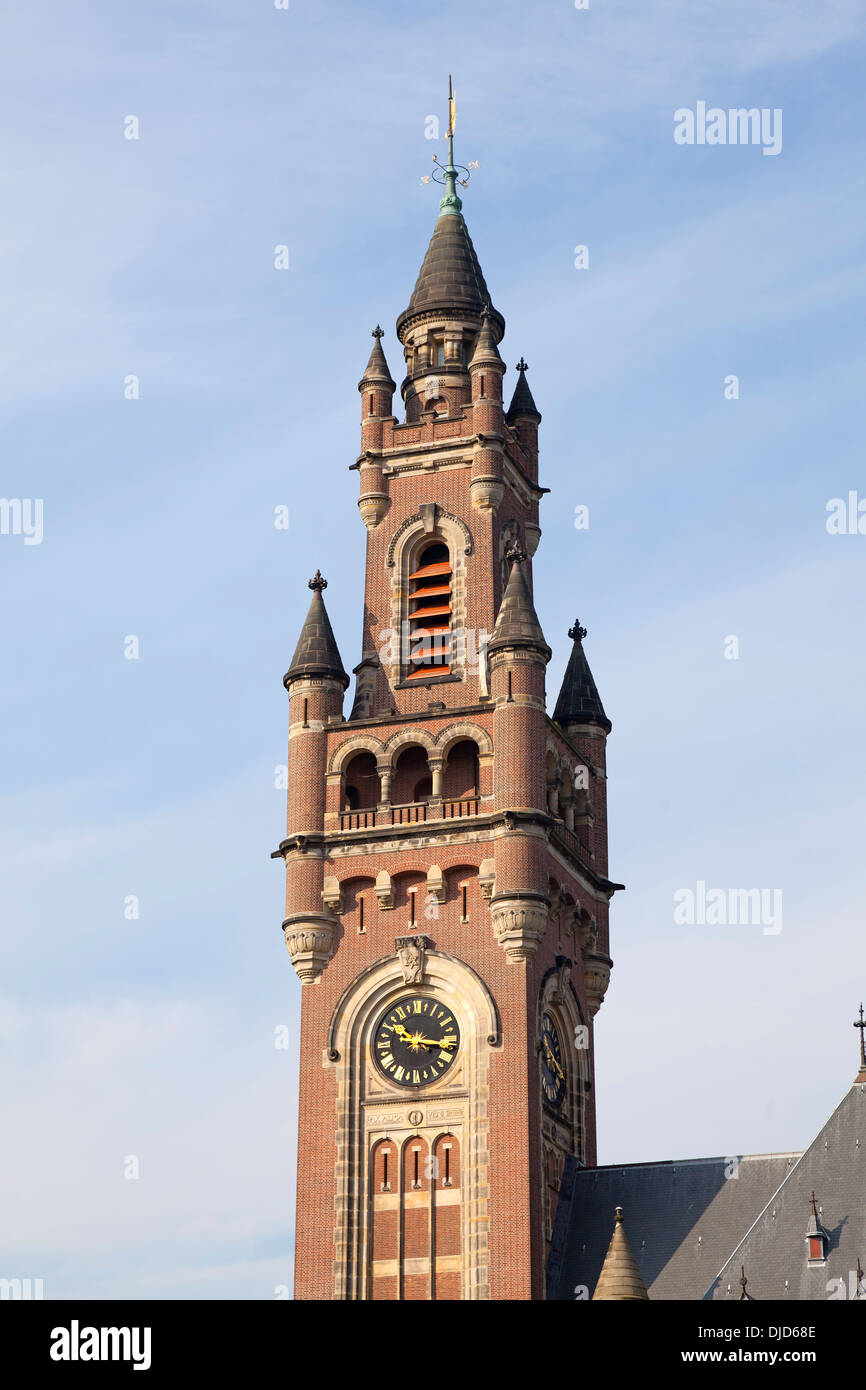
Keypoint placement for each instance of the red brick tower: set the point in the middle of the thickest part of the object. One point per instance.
(446, 846)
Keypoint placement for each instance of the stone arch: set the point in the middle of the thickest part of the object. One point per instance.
(404, 738)
(371, 1108)
(453, 733)
(358, 743)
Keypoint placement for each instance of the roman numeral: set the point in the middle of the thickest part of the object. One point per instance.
(399, 1073)
(416, 1007)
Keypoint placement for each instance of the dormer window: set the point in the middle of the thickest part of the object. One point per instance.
(430, 614)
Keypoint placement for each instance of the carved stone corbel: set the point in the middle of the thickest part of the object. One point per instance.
(519, 923)
(384, 890)
(309, 942)
(332, 894)
(487, 877)
(435, 884)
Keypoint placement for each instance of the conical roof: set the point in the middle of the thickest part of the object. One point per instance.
(316, 653)
(485, 351)
(579, 701)
(517, 622)
(620, 1277)
(377, 367)
(450, 279)
(522, 402)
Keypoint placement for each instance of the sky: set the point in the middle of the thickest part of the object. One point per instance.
(149, 1063)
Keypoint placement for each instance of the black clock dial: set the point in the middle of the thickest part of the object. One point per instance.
(416, 1040)
(552, 1064)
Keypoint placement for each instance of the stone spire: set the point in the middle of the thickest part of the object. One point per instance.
(517, 622)
(522, 404)
(620, 1277)
(486, 353)
(316, 653)
(579, 701)
(861, 1024)
(376, 372)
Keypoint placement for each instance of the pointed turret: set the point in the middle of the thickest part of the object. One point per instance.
(450, 283)
(486, 353)
(316, 653)
(517, 622)
(376, 372)
(522, 406)
(579, 701)
(620, 1278)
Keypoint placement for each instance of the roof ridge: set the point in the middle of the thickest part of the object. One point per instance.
(787, 1178)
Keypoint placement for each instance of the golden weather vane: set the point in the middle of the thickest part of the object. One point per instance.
(449, 174)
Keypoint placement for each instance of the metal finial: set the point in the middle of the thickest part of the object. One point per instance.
(577, 633)
(861, 1024)
(522, 366)
(515, 553)
(378, 332)
(317, 582)
(859, 1278)
(619, 1216)
(812, 1205)
(743, 1282)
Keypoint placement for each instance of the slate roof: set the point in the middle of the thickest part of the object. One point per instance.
(316, 653)
(693, 1225)
(517, 622)
(450, 277)
(522, 402)
(579, 701)
(772, 1248)
(684, 1220)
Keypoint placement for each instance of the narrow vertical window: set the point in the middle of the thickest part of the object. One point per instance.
(370, 412)
(430, 614)
(465, 914)
(361, 927)
(306, 725)
(385, 1182)
(482, 386)
(411, 907)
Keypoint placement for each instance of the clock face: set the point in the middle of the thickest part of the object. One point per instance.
(416, 1041)
(552, 1065)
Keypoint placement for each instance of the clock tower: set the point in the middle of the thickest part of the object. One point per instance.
(446, 845)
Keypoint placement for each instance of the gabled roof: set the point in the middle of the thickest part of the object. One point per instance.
(316, 653)
(684, 1220)
(773, 1246)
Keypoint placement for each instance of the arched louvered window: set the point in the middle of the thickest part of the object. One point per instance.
(430, 614)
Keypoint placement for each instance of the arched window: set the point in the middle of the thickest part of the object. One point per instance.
(361, 782)
(461, 770)
(430, 614)
(411, 775)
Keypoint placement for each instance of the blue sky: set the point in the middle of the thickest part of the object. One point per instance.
(155, 1037)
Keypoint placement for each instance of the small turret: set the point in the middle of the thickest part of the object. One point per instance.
(620, 1279)
(579, 702)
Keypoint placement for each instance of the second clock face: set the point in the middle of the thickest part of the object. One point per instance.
(552, 1065)
(416, 1041)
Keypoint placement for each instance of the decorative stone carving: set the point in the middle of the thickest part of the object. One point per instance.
(487, 877)
(559, 991)
(412, 953)
(586, 928)
(531, 535)
(596, 978)
(435, 884)
(519, 924)
(384, 890)
(332, 894)
(309, 942)
(373, 506)
(486, 493)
